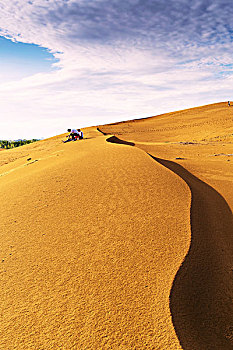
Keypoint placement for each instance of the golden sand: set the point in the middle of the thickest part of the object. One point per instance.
(109, 246)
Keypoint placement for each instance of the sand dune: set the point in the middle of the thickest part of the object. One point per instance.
(124, 244)
(201, 297)
(202, 291)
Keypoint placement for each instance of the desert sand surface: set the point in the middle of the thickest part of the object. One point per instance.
(197, 146)
(122, 240)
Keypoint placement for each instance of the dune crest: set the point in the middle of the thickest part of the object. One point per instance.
(106, 246)
(88, 247)
(202, 291)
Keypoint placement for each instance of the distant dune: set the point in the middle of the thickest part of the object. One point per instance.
(122, 240)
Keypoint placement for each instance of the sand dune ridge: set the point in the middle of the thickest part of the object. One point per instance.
(105, 246)
(200, 298)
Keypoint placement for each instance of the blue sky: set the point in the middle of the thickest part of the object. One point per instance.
(18, 60)
(75, 63)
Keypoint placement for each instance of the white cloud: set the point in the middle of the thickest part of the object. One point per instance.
(117, 60)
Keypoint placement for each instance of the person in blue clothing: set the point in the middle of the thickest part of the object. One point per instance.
(80, 134)
(73, 135)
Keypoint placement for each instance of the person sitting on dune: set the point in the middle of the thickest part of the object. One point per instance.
(80, 134)
(73, 135)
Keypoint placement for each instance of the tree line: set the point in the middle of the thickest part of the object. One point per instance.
(17, 143)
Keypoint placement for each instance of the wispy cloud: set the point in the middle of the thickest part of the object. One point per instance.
(118, 59)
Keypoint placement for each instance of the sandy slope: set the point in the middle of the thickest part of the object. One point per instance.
(109, 246)
(202, 137)
(91, 239)
(197, 145)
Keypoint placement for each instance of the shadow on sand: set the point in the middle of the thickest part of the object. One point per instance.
(114, 139)
(202, 292)
(201, 298)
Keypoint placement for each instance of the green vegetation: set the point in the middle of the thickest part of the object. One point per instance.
(17, 143)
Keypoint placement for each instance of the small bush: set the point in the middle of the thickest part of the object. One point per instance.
(17, 143)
